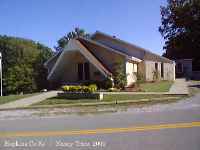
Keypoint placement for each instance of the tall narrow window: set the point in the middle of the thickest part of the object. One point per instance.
(162, 70)
(80, 71)
(87, 71)
(156, 66)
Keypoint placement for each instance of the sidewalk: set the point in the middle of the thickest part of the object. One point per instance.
(179, 87)
(29, 100)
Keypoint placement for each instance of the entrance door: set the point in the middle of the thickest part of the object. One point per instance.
(83, 71)
(80, 71)
(87, 71)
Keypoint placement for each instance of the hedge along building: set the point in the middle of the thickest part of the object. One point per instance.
(95, 58)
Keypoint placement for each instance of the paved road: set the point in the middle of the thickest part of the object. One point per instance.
(159, 127)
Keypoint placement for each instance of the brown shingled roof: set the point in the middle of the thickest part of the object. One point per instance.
(129, 46)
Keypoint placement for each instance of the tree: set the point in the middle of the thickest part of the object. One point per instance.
(22, 62)
(62, 42)
(180, 27)
(119, 75)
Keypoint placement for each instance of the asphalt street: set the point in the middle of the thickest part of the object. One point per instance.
(174, 126)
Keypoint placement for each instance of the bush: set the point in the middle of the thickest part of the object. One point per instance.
(77, 88)
(140, 78)
(105, 84)
(92, 88)
(156, 75)
(119, 76)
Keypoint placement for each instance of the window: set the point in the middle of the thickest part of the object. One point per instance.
(156, 66)
(87, 71)
(80, 71)
(162, 70)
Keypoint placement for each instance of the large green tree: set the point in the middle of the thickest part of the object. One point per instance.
(181, 30)
(77, 32)
(23, 69)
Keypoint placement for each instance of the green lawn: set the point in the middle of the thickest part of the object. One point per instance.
(194, 87)
(107, 98)
(162, 86)
(113, 97)
(10, 98)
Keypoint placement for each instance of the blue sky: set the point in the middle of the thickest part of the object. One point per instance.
(45, 21)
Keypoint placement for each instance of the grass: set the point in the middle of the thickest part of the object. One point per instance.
(111, 97)
(194, 87)
(10, 98)
(162, 86)
(107, 98)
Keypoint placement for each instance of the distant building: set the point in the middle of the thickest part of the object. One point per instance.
(184, 69)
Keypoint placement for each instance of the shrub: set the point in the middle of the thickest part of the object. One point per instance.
(156, 75)
(140, 78)
(107, 83)
(119, 76)
(74, 88)
(92, 88)
(65, 88)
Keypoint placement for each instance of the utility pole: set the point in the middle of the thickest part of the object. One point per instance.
(1, 72)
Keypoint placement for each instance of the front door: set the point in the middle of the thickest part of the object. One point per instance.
(83, 71)
(87, 71)
(80, 71)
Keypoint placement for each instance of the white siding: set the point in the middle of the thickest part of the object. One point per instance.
(131, 70)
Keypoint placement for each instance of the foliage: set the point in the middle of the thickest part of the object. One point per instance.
(140, 78)
(105, 84)
(181, 30)
(22, 62)
(93, 88)
(119, 75)
(77, 88)
(62, 42)
(156, 75)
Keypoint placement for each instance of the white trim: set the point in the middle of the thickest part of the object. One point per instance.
(50, 59)
(133, 59)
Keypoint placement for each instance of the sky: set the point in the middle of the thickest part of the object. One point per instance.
(46, 21)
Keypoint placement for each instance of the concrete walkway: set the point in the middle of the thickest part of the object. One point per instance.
(179, 87)
(29, 100)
